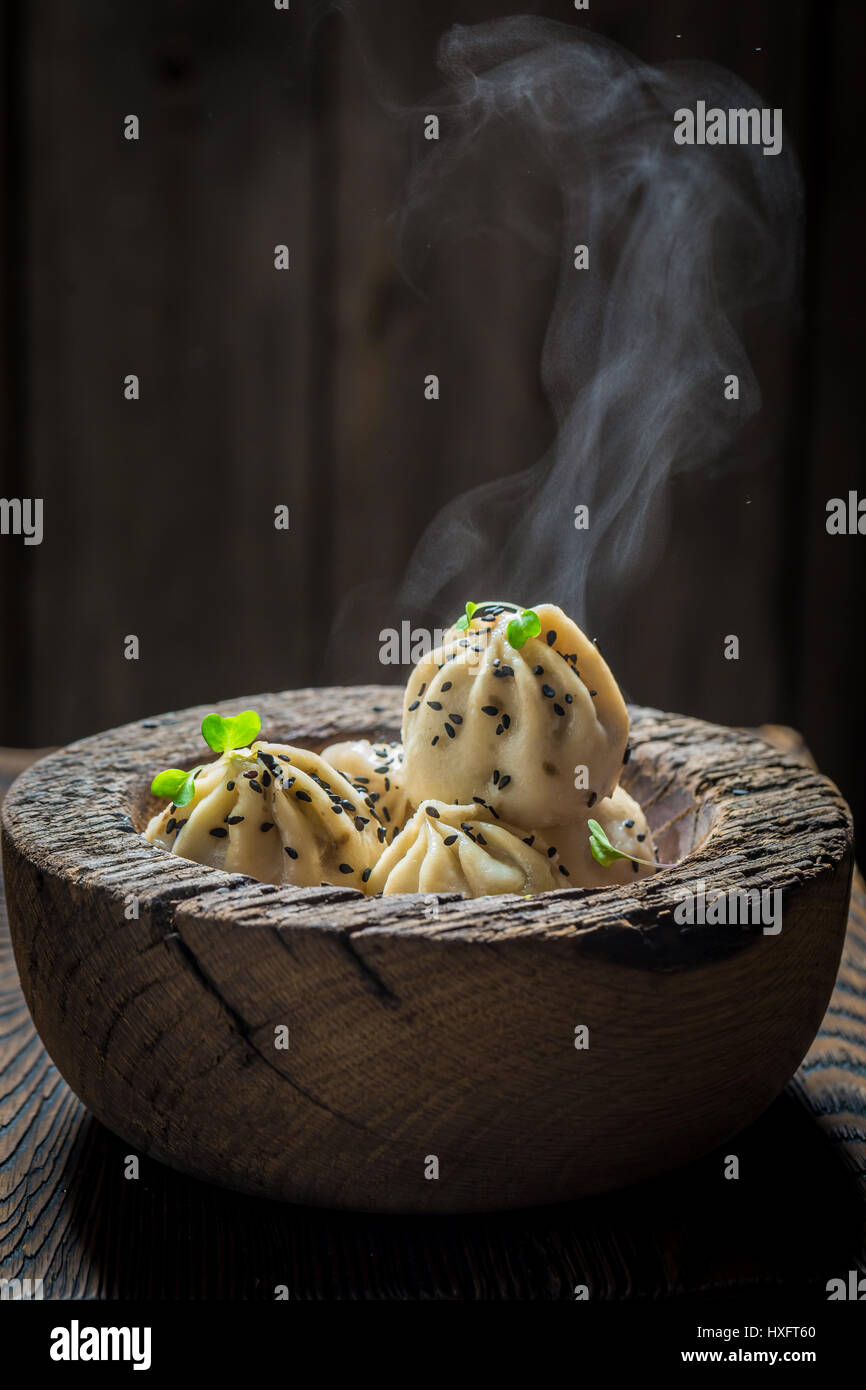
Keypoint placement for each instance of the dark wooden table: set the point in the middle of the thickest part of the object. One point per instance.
(795, 1218)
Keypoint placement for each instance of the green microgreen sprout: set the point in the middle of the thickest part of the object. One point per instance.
(465, 618)
(527, 624)
(223, 735)
(235, 731)
(175, 784)
(605, 853)
(520, 628)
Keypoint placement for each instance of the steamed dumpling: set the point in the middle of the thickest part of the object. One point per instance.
(510, 726)
(463, 849)
(379, 770)
(280, 814)
(625, 825)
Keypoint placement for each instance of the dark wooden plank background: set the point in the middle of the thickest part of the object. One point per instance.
(305, 387)
(795, 1218)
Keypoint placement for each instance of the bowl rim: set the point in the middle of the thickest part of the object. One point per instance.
(753, 798)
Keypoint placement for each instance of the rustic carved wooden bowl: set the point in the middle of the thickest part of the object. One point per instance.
(420, 1030)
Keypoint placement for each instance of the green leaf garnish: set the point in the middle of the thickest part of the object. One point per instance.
(465, 618)
(175, 784)
(235, 731)
(602, 849)
(605, 853)
(527, 624)
(222, 735)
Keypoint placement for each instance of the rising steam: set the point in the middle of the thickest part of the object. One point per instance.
(683, 242)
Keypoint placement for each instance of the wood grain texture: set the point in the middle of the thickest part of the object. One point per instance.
(794, 1219)
(416, 1032)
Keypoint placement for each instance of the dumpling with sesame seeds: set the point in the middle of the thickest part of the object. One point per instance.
(377, 770)
(465, 849)
(517, 707)
(278, 813)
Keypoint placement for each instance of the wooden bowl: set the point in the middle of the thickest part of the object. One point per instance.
(423, 1029)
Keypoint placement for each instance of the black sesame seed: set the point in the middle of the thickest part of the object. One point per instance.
(557, 709)
(493, 811)
(549, 691)
(641, 838)
(530, 840)
(538, 670)
(254, 787)
(266, 825)
(172, 825)
(480, 800)
(234, 820)
(449, 731)
(431, 811)
(551, 853)
(634, 865)
(386, 813)
(365, 875)
(250, 775)
(449, 839)
(481, 839)
(303, 796)
(551, 637)
(447, 685)
(337, 809)
(456, 718)
(381, 832)
(593, 693)
(434, 741)
(219, 832)
(421, 691)
(380, 770)
(292, 853)
(361, 821)
(230, 786)
(181, 824)
(500, 728)
(628, 824)
(569, 699)
(284, 757)
(504, 671)
(503, 782)
(266, 779)
(346, 869)
(496, 776)
(593, 798)
(564, 870)
(414, 705)
(627, 754)
(489, 709)
(506, 721)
